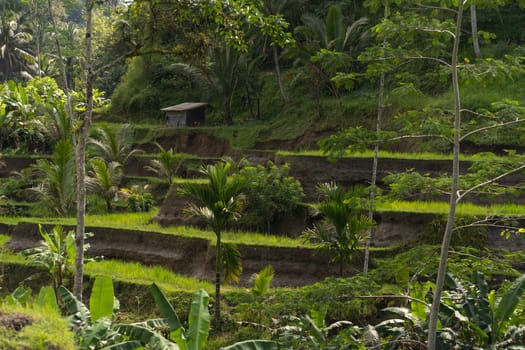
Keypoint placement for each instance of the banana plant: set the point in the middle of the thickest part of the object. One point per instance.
(489, 316)
(196, 336)
(92, 327)
(95, 329)
(55, 253)
(198, 323)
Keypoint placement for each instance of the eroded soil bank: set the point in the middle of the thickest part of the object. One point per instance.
(195, 257)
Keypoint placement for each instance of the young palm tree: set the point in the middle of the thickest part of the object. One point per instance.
(58, 186)
(343, 227)
(114, 144)
(221, 201)
(167, 164)
(104, 180)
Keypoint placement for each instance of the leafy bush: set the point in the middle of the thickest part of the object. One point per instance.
(464, 235)
(270, 194)
(139, 198)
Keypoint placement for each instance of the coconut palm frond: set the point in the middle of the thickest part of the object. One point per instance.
(232, 263)
(114, 144)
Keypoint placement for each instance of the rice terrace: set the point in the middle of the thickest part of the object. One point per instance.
(251, 175)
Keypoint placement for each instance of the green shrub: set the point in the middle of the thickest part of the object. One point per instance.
(464, 234)
(270, 194)
(139, 198)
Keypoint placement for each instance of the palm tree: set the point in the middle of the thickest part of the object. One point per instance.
(58, 185)
(14, 42)
(219, 76)
(114, 144)
(221, 201)
(104, 180)
(322, 38)
(167, 165)
(343, 227)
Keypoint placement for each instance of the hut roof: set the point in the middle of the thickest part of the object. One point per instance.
(186, 106)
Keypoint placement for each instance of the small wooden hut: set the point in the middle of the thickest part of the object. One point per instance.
(185, 114)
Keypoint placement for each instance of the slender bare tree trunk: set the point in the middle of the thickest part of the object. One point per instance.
(380, 108)
(63, 70)
(474, 26)
(434, 310)
(218, 261)
(279, 75)
(374, 171)
(81, 158)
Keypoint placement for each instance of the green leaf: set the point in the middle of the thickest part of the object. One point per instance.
(47, 299)
(19, 296)
(166, 309)
(254, 345)
(145, 336)
(102, 298)
(232, 263)
(74, 307)
(262, 281)
(508, 303)
(127, 345)
(199, 321)
(95, 334)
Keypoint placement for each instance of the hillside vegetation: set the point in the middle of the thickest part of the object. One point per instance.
(342, 143)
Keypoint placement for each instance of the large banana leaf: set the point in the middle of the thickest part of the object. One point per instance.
(80, 313)
(145, 336)
(254, 345)
(102, 298)
(167, 311)
(47, 299)
(165, 308)
(508, 303)
(199, 321)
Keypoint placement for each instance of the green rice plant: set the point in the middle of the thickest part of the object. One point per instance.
(136, 273)
(3, 240)
(465, 209)
(382, 155)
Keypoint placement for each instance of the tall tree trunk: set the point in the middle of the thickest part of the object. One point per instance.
(63, 70)
(474, 26)
(218, 260)
(379, 117)
(227, 107)
(81, 158)
(375, 162)
(434, 310)
(278, 74)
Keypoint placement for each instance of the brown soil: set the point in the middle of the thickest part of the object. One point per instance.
(193, 142)
(15, 321)
(191, 256)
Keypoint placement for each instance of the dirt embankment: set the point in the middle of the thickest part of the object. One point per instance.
(193, 142)
(191, 256)
(196, 257)
(12, 164)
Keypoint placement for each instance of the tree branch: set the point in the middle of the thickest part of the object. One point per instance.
(397, 138)
(461, 195)
(133, 53)
(501, 124)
